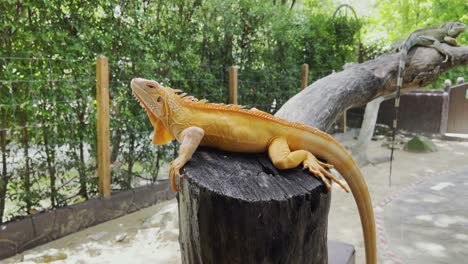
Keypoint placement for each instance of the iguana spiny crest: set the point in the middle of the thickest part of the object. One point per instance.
(158, 100)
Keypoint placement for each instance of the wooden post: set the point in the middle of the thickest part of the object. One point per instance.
(238, 208)
(233, 85)
(343, 122)
(103, 133)
(304, 75)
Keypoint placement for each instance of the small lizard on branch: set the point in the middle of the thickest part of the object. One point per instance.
(232, 128)
(429, 37)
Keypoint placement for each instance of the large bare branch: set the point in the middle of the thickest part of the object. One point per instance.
(321, 102)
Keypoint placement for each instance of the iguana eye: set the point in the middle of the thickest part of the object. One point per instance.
(159, 99)
(150, 86)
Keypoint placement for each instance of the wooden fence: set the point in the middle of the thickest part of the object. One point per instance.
(103, 115)
(103, 129)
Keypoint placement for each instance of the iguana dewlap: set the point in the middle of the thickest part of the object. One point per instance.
(230, 127)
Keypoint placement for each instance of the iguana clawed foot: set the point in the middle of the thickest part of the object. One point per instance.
(318, 168)
(446, 58)
(174, 173)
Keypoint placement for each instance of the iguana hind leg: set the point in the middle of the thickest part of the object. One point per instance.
(190, 139)
(283, 158)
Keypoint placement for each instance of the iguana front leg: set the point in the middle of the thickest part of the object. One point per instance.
(283, 158)
(451, 41)
(436, 44)
(190, 139)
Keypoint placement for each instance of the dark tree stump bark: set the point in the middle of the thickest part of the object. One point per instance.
(238, 208)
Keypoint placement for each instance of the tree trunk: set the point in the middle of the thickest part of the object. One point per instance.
(321, 102)
(116, 137)
(50, 159)
(81, 162)
(4, 179)
(238, 208)
(130, 161)
(359, 150)
(27, 169)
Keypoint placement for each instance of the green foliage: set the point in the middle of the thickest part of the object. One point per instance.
(47, 86)
(399, 18)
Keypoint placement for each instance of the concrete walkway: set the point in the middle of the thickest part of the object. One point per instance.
(410, 170)
(421, 218)
(428, 221)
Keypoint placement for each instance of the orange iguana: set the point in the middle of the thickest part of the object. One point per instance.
(230, 127)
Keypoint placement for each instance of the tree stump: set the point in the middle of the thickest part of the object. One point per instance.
(238, 208)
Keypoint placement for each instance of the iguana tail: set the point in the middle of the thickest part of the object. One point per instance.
(357, 184)
(401, 71)
(339, 157)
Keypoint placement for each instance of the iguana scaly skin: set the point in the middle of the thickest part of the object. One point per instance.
(429, 37)
(230, 127)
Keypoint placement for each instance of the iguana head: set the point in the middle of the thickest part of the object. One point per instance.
(454, 29)
(153, 98)
(150, 94)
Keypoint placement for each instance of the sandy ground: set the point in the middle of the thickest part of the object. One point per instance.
(427, 222)
(344, 224)
(151, 235)
(147, 236)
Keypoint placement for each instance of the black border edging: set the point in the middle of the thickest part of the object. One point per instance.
(35, 230)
